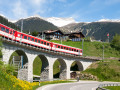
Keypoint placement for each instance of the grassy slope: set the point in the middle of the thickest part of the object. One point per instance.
(56, 68)
(109, 70)
(37, 64)
(9, 82)
(93, 48)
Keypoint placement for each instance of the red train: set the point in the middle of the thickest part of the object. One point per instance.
(14, 35)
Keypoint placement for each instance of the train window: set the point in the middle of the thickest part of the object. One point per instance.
(75, 50)
(61, 47)
(29, 38)
(64, 48)
(25, 37)
(70, 49)
(7, 31)
(13, 32)
(55, 46)
(35, 40)
(38, 41)
(32, 39)
(41, 42)
(2, 29)
(10, 32)
(58, 46)
(21, 36)
(47, 44)
(44, 43)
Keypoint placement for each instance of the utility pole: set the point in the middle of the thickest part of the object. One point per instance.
(61, 39)
(29, 32)
(21, 25)
(103, 53)
(108, 37)
(42, 34)
(82, 45)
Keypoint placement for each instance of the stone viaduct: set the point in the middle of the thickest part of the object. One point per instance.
(47, 57)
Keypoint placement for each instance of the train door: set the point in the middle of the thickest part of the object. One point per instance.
(78, 52)
(15, 34)
(51, 45)
(21, 36)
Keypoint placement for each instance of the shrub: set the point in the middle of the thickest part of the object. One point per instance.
(116, 42)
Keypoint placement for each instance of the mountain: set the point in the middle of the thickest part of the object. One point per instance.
(35, 24)
(57, 21)
(60, 21)
(72, 27)
(97, 30)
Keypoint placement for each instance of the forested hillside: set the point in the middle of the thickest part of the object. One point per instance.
(36, 24)
(96, 30)
(5, 21)
(99, 30)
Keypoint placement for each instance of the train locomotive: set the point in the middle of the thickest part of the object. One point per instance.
(20, 37)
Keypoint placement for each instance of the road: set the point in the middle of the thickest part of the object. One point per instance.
(81, 85)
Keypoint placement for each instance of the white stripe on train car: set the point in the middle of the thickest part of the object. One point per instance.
(7, 34)
(32, 42)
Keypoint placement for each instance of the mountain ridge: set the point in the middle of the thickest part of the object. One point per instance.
(35, 24)
(97, 30)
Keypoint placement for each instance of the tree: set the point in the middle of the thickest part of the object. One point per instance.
(116, 42)
(35, 33)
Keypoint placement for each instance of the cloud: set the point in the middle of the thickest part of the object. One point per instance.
(62, 0)
(39, 6)
(19, 10)
(38, 2)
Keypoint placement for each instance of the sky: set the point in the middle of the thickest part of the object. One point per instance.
(80, 10)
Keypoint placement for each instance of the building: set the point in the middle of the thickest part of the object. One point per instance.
(51, 34)
(75, 36)
(59, 35)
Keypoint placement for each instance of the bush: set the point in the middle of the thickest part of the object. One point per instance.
(116, 42)
(105, 71)
(1, 64)
(9, 69)
(87, 39)
(10, 82)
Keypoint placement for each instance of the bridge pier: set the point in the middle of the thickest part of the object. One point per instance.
(6, 51)
(30, 67)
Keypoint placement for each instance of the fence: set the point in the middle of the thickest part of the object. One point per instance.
(100, 87)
